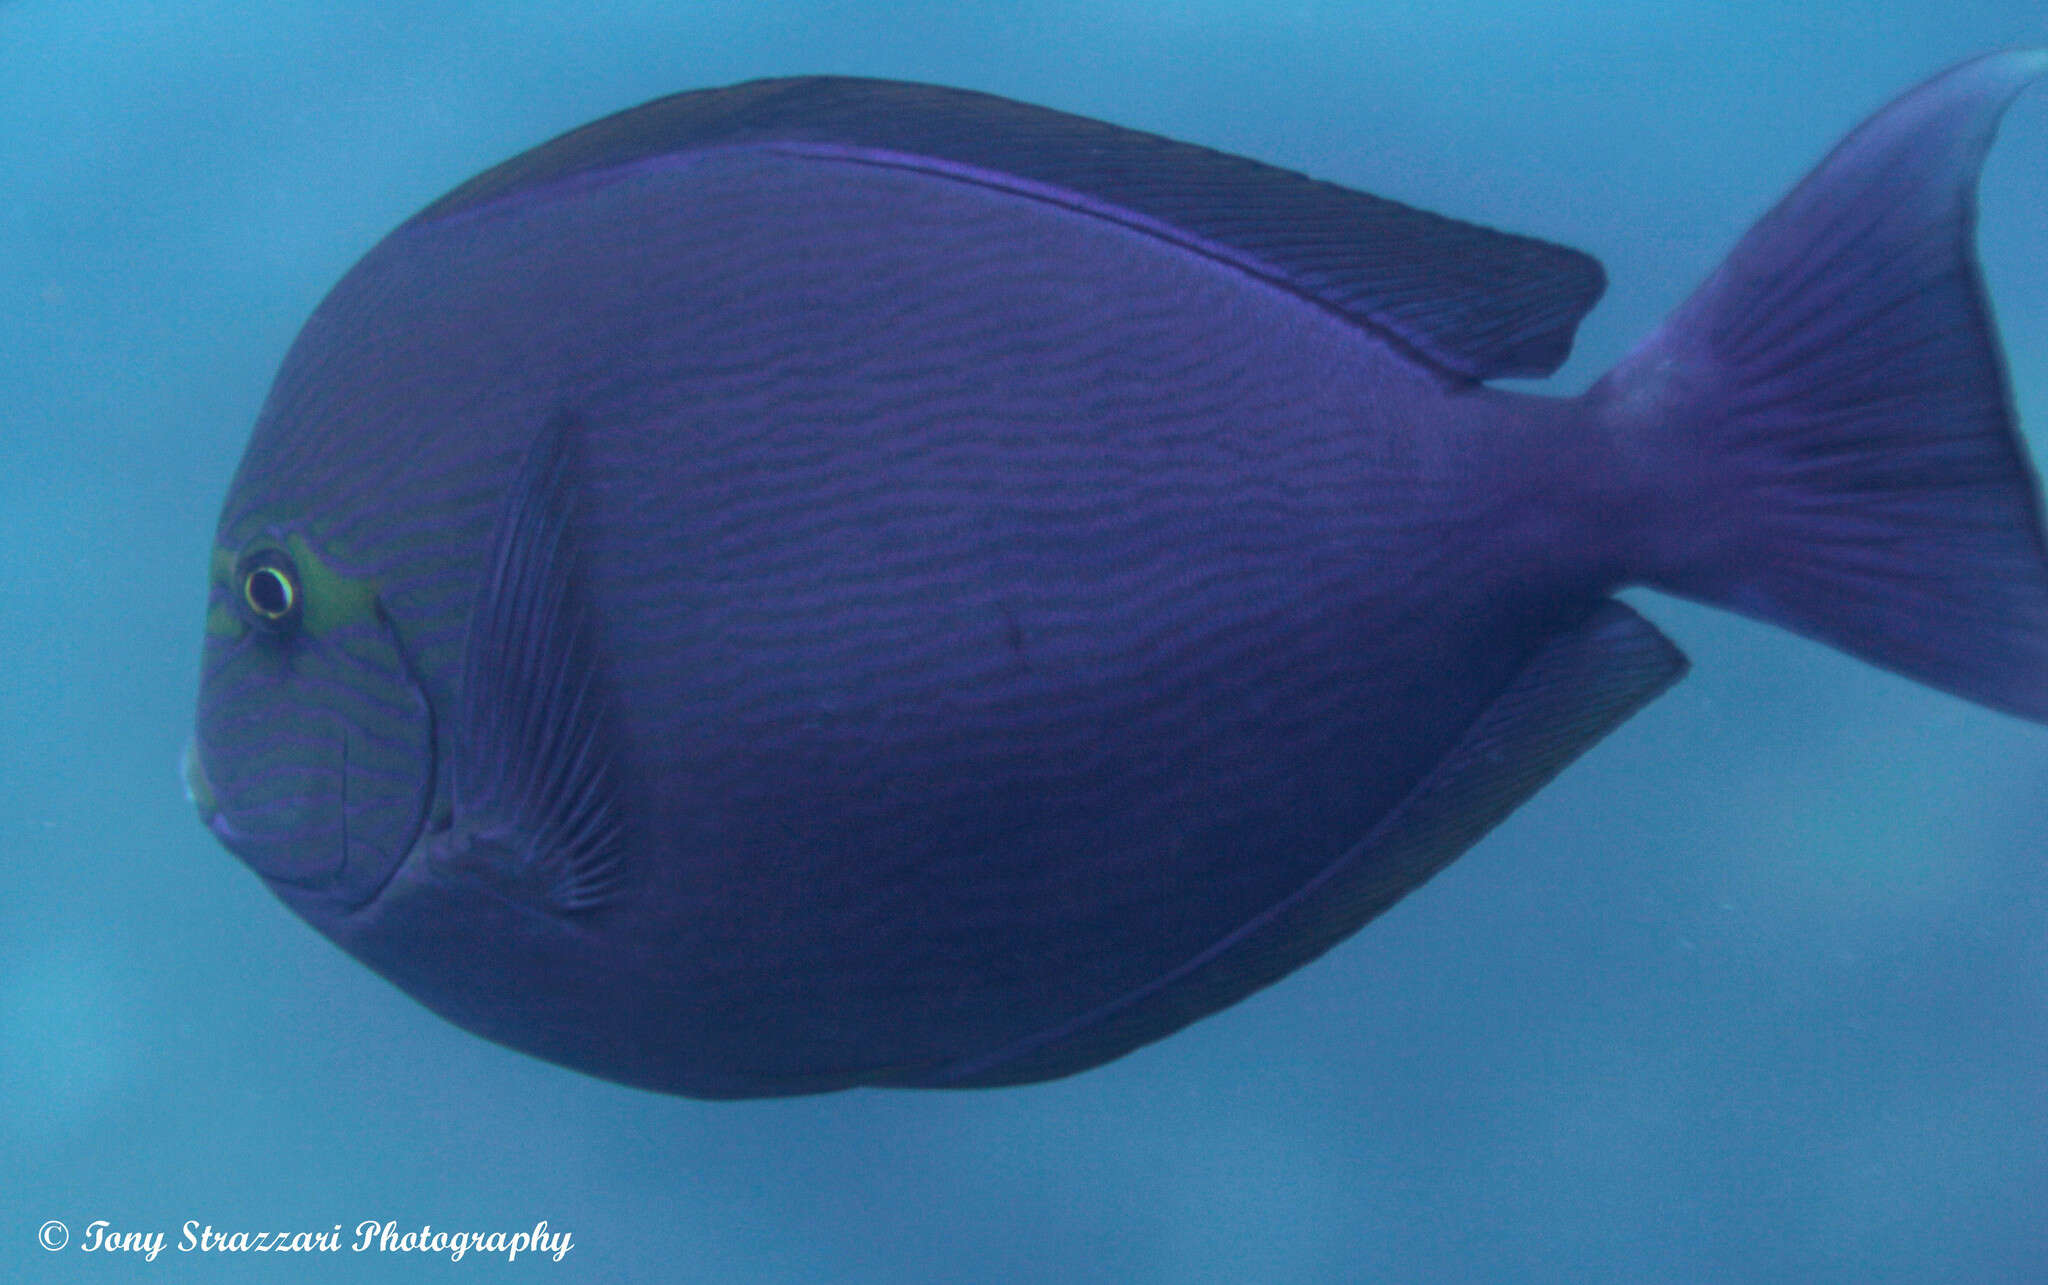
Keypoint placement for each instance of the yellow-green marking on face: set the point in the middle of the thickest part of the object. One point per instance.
(325, 598)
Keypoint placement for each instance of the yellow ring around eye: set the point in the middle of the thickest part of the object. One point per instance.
(270, 593)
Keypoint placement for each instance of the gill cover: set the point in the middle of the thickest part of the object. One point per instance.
(315, 741)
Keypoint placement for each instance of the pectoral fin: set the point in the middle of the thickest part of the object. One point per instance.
(536, 810)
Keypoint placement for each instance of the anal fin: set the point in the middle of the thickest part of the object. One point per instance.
(1573, 691)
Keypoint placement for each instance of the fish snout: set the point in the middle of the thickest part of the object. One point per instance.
(198, 790)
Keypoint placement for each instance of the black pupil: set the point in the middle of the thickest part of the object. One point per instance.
(269, 593)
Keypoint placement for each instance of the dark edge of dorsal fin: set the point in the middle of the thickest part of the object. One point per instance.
(535, 787)
(1478, 303)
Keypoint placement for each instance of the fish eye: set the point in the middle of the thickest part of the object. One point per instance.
(270, 589)
(269, 593)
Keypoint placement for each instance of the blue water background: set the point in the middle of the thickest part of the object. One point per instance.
(1757, 991)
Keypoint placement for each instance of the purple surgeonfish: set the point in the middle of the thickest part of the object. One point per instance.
(833, 582)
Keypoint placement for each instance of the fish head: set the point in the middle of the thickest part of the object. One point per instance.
(313, 757)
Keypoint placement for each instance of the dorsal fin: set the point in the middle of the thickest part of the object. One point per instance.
(1477, 303)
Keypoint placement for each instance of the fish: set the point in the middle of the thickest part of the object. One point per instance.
(831, 582)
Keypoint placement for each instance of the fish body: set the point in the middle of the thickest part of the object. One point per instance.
(831, 582)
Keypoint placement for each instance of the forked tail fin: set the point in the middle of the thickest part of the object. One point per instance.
(1827, 422)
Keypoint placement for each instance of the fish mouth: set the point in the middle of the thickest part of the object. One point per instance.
(198, 790)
